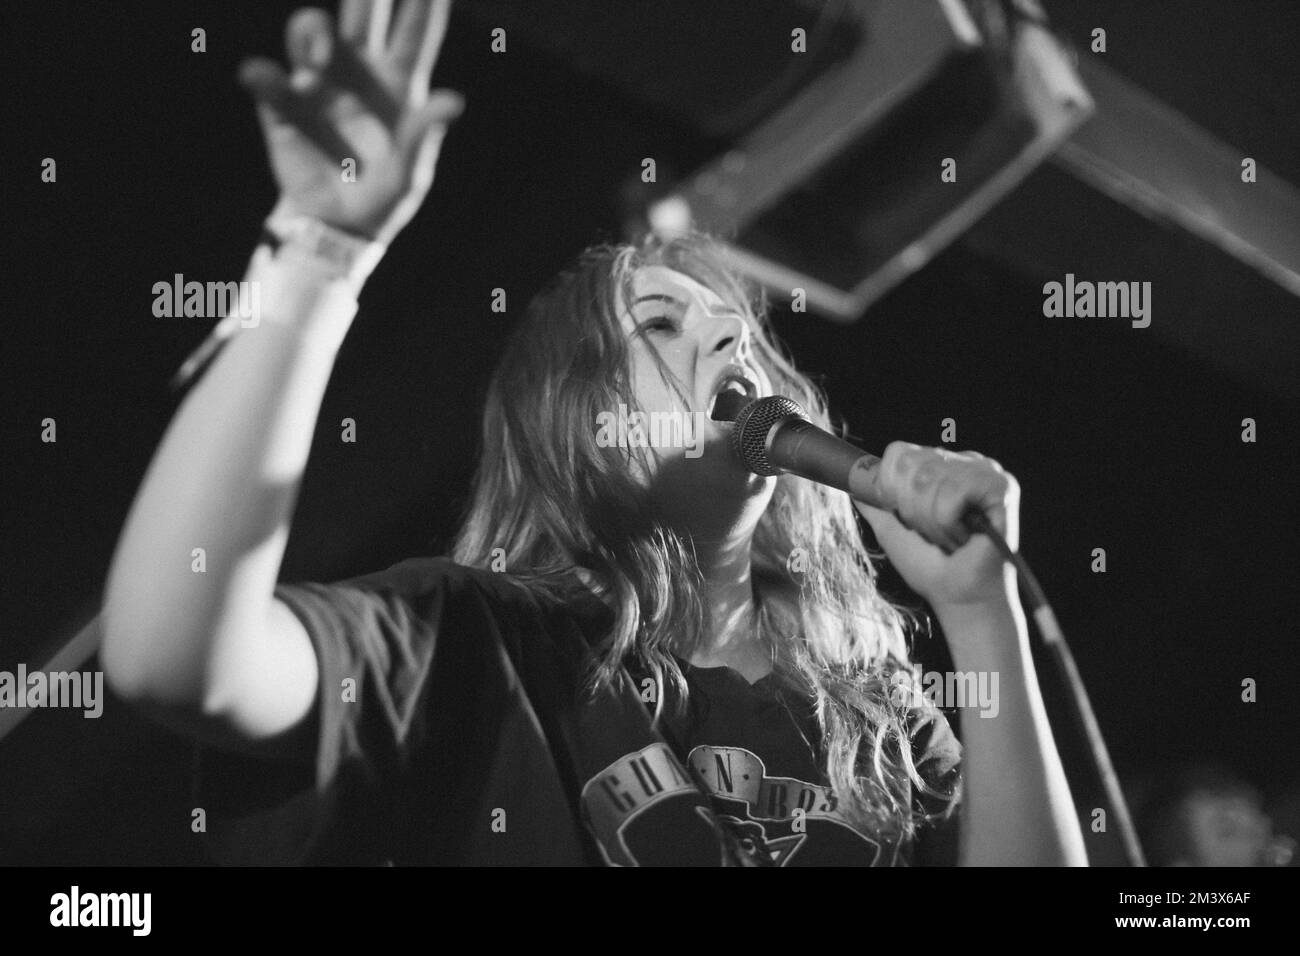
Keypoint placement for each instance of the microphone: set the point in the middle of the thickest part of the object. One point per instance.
(773, 436)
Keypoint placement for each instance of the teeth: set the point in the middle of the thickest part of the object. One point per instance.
(733, 393)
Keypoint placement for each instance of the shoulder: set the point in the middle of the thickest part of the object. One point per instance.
(424, 577)
(421, 575)
(412, 598)
(426, 582)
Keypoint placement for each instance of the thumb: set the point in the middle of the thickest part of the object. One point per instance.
(266, 81)
(888, 529)
(880, 521)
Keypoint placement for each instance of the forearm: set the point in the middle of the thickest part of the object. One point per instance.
(224, 479)
(1017, 808)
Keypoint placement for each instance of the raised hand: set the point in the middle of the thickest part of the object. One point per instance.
(360, 94)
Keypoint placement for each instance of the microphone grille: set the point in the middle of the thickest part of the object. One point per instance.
(754, 423)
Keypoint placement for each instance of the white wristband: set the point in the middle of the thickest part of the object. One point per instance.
(338, 253)
(305, 276)
(309, 284)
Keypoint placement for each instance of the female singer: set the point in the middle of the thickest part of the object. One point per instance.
(638, 651)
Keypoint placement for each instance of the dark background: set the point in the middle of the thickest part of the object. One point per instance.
(1123, 439)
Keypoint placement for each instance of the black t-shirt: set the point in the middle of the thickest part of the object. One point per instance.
(754, 749)
(452, 726)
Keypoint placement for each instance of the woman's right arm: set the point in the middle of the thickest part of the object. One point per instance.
(210, 652)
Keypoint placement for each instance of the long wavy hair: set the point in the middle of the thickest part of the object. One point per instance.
(566, 504)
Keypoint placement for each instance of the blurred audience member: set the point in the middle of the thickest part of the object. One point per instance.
(1203, 815)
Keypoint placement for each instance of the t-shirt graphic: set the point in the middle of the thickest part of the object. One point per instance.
(774, 817)
(630, 805)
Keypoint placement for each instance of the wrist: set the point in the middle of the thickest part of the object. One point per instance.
(336, 253)
(987, 634)
(992, 594)
(301, 295)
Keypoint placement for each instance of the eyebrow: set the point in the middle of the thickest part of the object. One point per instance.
(724, 309)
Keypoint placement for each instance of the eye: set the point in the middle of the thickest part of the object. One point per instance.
(659, 323)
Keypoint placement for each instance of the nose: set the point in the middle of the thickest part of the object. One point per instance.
(727, 334)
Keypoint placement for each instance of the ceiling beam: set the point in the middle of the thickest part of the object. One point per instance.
(1153, 159)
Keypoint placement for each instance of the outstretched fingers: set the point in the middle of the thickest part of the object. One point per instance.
(309, 41)
(431, 37)
(363, 24)
(350, 72)
(282, 110)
